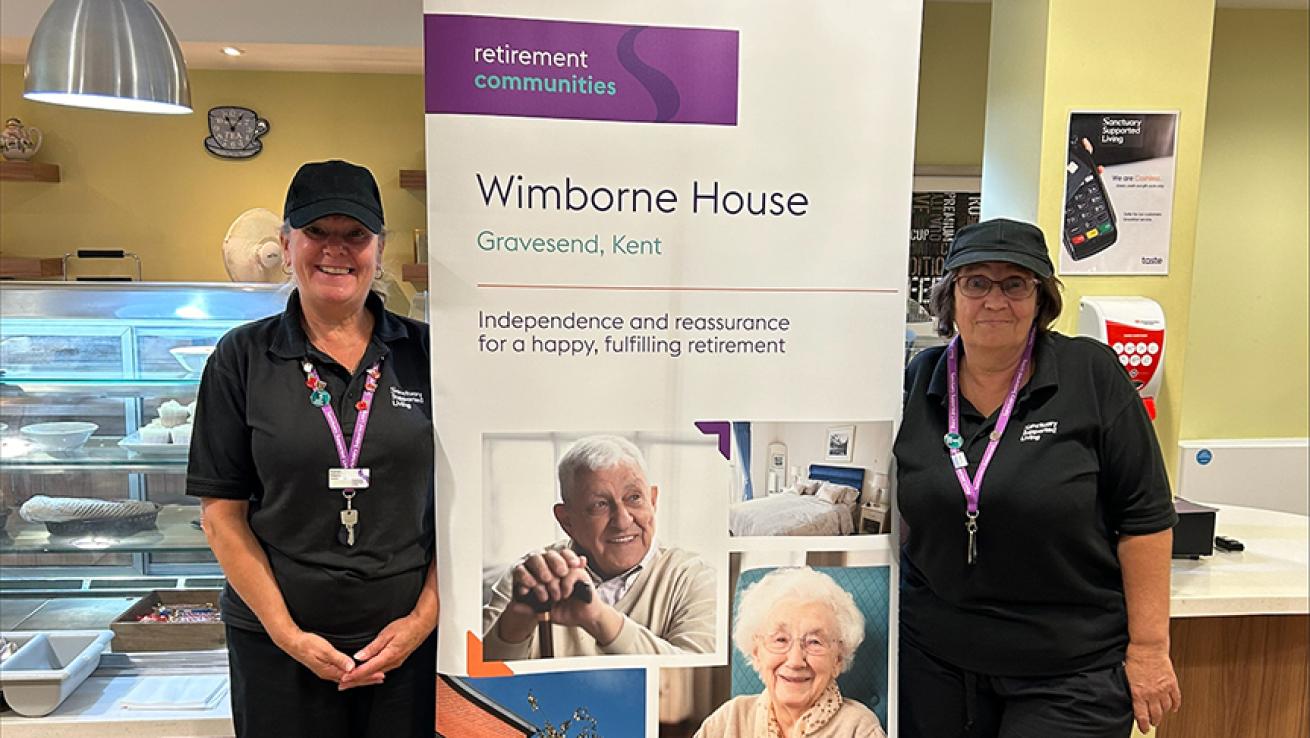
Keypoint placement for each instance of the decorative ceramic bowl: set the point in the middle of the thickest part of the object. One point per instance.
(192, 358)
(60, 436)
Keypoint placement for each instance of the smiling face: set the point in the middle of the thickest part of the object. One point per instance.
(994, 321)
(334, 259)
(610, 515)
(797, 653)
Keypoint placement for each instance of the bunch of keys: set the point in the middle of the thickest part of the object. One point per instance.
(349, 519)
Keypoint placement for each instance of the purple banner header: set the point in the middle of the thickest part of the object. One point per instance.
(480, 65)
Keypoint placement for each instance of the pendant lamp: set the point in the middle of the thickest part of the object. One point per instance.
(106, 54)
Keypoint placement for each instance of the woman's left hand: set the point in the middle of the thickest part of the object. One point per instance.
(390, 649)
(1153, 685)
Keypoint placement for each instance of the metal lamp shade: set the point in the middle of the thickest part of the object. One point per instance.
(107, 54)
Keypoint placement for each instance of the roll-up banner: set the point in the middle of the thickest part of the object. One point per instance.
(668, 267)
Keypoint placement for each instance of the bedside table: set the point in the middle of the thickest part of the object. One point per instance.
(873, 519)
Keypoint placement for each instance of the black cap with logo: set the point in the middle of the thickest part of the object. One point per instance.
(1001, 239)
(333, 188)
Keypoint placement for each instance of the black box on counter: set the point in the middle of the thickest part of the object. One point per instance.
(1194, 534)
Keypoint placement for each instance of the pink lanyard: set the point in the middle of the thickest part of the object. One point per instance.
(955, 443)
(365, 407)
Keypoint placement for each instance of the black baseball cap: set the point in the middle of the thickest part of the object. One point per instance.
(1000, 239)
(333, 188)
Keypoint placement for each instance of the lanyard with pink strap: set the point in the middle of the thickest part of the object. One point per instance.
(348, 477)
(955, 443)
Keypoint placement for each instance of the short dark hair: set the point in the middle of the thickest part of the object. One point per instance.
(941, 303)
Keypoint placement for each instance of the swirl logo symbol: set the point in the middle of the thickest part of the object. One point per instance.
(662, 90)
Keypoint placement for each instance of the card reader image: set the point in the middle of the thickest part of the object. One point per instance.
(1089, 222)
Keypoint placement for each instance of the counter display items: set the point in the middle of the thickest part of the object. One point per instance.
(1118, 193)
(648, 255)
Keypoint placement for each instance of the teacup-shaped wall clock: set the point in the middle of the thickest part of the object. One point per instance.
(234, 132)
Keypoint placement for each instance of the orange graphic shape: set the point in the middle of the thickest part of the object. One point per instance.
(479, 668)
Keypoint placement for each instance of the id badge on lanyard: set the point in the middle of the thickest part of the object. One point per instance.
(349, 477)
(972, 488)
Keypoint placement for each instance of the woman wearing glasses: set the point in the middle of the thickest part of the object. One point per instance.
(1035, 561)
(799, 630)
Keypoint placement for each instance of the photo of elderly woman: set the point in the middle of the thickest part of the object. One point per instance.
(799, 635)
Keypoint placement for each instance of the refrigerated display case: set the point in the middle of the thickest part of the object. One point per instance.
(96, 382)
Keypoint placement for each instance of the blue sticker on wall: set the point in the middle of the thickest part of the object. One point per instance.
(1204, 456)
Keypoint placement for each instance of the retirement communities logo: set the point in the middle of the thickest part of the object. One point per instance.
(585, 71)
(507, 55)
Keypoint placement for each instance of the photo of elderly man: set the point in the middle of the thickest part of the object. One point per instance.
(610, 587)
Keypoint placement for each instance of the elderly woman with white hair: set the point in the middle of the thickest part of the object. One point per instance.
(800, 630)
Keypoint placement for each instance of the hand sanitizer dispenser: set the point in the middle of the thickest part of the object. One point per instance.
(1134, 328)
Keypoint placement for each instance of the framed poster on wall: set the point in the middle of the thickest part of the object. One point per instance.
(1119, 193)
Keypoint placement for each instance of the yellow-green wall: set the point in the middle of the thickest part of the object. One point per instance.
(147, 184)
(1246, 374)
(952, 85)
(1139, 69)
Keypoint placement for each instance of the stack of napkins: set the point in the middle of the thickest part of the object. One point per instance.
(199, 692)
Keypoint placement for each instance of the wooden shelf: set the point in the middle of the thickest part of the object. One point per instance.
(21, 267)
(28, 171)
(417, 273)
(414, 179)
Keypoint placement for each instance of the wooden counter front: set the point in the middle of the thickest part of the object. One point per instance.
(1240, 633)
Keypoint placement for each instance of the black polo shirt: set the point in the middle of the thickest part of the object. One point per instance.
(1078, 466)
(257, 437)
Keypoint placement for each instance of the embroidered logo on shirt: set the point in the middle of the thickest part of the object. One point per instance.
(1035, 431)
(405, 398)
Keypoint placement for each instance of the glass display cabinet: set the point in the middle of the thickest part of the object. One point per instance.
(97, 385)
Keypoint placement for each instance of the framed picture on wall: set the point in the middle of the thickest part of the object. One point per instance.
(840, 444)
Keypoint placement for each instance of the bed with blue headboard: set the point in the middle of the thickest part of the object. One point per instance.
(849, 476)
(804, 509)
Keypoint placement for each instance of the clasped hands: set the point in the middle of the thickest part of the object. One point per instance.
(549, 581)
(369, 664)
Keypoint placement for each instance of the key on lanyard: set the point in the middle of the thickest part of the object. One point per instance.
(971, 525)
(349, 519)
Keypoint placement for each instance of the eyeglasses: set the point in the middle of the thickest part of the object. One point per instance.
(1015, 288)
(812, 644)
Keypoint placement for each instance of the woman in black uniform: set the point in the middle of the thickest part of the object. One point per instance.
(1035, 567)
(312, 453)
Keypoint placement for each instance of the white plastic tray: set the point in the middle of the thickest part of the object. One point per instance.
(162, 450)
(49, 666)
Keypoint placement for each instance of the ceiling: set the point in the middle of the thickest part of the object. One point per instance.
(383, 36)
(291, 35)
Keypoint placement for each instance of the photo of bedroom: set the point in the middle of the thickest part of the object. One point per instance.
(810, 479)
